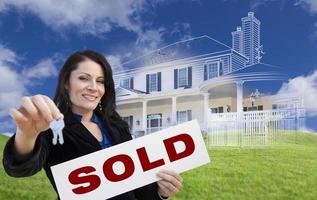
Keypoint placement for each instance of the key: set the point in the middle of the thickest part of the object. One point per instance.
(57, 127)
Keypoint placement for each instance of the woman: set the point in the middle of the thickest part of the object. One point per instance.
(85, 96)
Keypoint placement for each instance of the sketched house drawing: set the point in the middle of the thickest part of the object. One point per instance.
(202, 78)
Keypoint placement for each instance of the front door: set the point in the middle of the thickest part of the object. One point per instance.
(154, 122)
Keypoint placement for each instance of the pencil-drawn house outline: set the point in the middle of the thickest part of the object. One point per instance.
(193, 79)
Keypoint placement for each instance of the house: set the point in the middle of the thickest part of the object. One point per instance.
(193, 79)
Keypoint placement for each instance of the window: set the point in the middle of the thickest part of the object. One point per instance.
(153, 82)
(254, 108)
(184, 116)
(217, 109)
(127, 83)
(154, 120)
(213, 69)
(183, 77)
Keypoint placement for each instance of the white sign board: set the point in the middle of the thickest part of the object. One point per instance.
(130, 165)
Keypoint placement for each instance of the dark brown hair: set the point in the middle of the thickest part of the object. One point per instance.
(116, 126)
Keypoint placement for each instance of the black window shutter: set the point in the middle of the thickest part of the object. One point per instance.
(131, 122)
(131, 83)
(189, 77)
(189, 115)
(177, 116)
(220, 69)
(147, 83)
(175, 78)
(159, 81)
(205, 72)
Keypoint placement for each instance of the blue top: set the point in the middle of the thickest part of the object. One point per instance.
(106, 141)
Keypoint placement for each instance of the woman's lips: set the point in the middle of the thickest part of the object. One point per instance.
(89, 97)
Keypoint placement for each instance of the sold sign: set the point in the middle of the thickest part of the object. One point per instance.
(133, 164)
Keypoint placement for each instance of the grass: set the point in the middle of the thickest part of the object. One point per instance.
(287, 170)
(36, 187)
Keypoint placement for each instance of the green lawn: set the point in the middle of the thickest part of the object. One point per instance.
(287, 170)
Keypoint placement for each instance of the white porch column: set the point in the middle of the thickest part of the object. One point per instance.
(174, 117)
(239, 96)
(206, 109)
(144, 115)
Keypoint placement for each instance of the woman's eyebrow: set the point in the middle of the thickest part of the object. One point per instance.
(80, 73)
(85, 73)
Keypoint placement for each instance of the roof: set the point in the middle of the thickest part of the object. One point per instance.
(257, 72)
(179, 50)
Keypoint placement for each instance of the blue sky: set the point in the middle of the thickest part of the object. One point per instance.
(37, 36)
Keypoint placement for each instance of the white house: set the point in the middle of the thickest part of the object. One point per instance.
(193, 79)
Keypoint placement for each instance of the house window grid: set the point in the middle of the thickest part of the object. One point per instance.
(183, 77)
(125, 83)
(212, 69)
(182, 116)
(153, 82)
(216, 109)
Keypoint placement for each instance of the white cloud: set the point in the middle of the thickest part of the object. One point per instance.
(306, 87)
(149, 41)
(13, 84)
(310, 5)
(7, 56)
(94, 16)
(11, 89)
(115, 62)
(182, 31)
(45, 68)
(255, 4)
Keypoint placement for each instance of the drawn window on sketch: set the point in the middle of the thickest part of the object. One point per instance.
(212, 70)
(183, 77)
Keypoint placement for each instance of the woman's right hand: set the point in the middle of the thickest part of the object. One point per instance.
(33, 117)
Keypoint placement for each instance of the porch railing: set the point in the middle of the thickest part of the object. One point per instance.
(246, 128)
(253, 127)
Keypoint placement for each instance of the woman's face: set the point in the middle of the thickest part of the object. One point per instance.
(86, 86)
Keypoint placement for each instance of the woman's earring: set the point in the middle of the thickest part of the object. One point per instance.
(99, 107)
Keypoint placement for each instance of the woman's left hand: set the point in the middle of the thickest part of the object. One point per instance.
(170, 183)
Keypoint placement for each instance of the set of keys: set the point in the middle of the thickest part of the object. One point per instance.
(57, 129)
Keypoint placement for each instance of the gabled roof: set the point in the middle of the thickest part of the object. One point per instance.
(124, 93)
(179, 50)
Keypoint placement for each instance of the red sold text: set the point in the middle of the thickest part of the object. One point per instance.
(93, 181)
